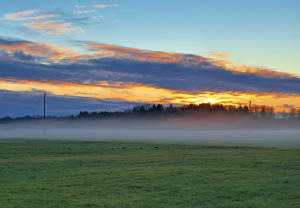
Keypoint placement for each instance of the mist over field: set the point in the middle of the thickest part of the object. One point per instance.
(215, 130)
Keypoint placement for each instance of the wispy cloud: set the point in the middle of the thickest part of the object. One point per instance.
(138, 54)
(50, 27)
(83, 11)
(80, 6)
(105, 5)
(36, 49)
(25, 15)
(97, 17)
(100, 5)
(217, 54)
(58, 23)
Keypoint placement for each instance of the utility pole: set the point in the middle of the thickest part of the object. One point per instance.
(44, 129)
(250, 110)
(44, 105)
(250, 106)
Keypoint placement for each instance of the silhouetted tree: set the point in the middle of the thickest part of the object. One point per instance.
(293, 113)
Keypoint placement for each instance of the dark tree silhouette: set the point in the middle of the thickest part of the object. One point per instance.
(194, 110)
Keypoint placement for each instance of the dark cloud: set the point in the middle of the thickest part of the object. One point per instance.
(193, 78)
(11, 41)
(19, 104)
(197, 77)
(19, 55)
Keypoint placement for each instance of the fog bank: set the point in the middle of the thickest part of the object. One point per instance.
(214, 131)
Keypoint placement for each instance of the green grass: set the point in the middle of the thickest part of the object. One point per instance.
(39, 174)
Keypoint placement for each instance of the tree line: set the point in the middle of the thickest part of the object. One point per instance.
(154, 110)
(160, 110)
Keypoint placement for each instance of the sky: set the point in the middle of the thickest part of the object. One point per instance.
(112, 54)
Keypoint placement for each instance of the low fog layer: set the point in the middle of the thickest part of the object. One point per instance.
(232, 130)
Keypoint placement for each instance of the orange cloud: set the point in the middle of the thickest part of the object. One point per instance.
(108, 50)
(138, 54)
(50, 27)
(165, 57)
(24, 15)
(228, 65)
(217, 54)
(83, 11)
(100, 6)
(38, 49)
(133, 92)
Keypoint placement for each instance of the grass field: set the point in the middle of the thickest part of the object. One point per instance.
(38, 174)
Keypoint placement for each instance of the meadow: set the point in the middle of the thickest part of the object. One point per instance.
(59, 174)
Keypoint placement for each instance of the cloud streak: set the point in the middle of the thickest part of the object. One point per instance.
(25, 15)
(83, 11)
(35, 49)
(100, 5)
(60, 22)
(50, 27)
(218, 54)
(165, 57)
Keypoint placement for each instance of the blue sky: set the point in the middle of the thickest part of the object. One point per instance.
(259, 32)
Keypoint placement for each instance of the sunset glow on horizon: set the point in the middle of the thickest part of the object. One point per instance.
(146, 94)
(100, 51)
